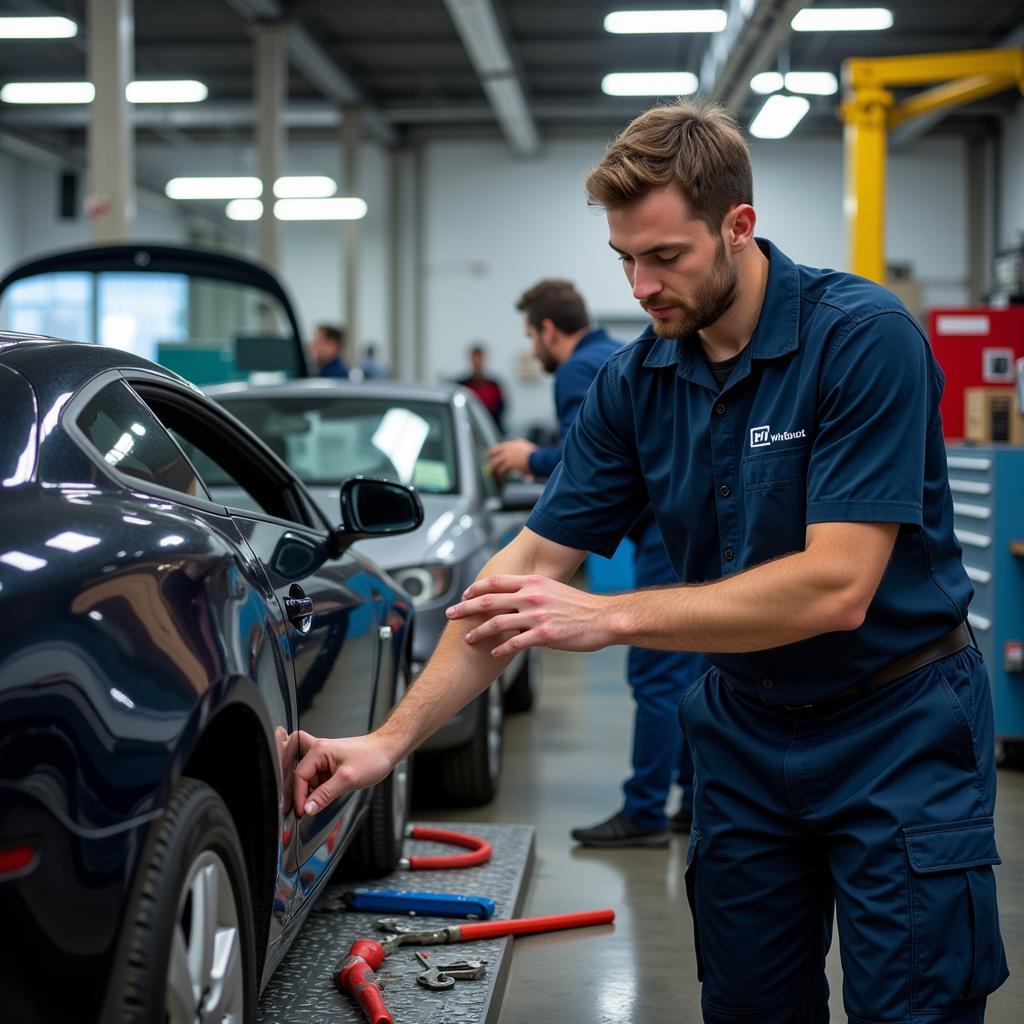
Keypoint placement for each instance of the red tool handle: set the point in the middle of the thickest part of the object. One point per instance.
(481, 850)
(355, 976)
(531, 925)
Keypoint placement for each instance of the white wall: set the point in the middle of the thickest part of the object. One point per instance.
(10, 242)
(1011, 201)
(495, 225)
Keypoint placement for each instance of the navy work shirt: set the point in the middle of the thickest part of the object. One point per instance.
(830, 415)
(572, 380)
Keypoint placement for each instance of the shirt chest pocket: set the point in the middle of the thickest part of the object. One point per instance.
(778, 470)
(774, 512)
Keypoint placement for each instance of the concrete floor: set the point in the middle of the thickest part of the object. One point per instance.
(564, 764)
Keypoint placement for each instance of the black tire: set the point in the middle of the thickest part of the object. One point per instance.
(192, 853)
(377, 847)
(469, 775)
(522, 694)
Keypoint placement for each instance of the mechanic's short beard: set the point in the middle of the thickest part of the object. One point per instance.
(547, 360)
(711, 302)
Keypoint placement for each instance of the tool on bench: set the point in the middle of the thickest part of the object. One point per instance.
(355, 974)
(396, 901)
(443, 976)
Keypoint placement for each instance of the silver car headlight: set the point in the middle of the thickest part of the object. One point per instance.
(424, 583)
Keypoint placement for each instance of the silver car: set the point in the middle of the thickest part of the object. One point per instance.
(435, 438)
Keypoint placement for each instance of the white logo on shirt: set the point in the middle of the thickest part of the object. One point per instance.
(762, 437)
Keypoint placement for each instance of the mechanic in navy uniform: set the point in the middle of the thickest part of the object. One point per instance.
(843, 740)
(326, 345)
(569, 347)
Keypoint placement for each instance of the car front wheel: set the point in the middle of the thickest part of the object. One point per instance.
(189, 948)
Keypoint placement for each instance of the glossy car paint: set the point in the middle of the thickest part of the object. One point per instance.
(144, 638)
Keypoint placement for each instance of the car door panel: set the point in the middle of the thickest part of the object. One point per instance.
(334, 664)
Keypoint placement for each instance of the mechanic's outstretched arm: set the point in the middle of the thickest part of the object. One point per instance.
(455, 674)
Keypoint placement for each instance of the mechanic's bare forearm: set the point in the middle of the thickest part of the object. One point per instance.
(457, 672)
(781, 602)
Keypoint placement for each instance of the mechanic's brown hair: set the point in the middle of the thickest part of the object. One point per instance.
(556, 300)
(699, 149)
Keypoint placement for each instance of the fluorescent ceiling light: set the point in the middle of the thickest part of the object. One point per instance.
(628, 22)
(812, 83)
(767, 82)
(214, 188)
(309, 186)
(335, 208)
(842, 19)
(184, 90)
(245, 209)
(37, 28)
(48, 92)
(649, 83)
(779, 116)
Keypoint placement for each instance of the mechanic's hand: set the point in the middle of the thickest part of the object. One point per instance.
(543, 612)
(511, 456)
(331, 767)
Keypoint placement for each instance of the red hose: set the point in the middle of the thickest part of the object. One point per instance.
(481, 850)
(531, 925)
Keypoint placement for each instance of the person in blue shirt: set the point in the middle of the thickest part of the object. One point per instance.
(326, 346)
(783, 423)
(558, 325)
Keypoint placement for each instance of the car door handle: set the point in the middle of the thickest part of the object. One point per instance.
(299, 610)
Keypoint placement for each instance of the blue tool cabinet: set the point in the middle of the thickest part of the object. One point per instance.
(988, 504)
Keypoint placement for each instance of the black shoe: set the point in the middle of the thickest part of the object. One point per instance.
(682, 820)
(618, 830)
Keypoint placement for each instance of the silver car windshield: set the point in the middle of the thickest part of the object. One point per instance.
(326, 440)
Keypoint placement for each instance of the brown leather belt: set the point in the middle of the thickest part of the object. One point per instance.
(955, 640)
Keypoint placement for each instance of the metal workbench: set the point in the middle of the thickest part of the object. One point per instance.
(302, 990)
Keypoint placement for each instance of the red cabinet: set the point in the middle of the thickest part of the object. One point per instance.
(974, 346)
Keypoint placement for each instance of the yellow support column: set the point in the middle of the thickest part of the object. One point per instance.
(866, 117)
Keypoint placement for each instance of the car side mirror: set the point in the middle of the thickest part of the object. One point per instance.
(520, 496)
(378, 508)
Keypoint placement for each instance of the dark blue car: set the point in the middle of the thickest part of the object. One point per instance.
(160, 652)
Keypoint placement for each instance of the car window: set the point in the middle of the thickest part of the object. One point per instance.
(207, 329)
(326, 439)
(230, 466)
(130, 439)
(485, 436)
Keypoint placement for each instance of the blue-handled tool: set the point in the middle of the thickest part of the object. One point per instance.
(436, 904)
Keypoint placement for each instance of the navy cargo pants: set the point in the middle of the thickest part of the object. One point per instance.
(880, 812)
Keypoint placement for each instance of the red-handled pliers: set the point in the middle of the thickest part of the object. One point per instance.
(356, 974)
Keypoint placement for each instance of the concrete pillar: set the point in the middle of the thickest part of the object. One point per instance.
(351, 126)
(271, 96)
(110, 65)
(978, 259)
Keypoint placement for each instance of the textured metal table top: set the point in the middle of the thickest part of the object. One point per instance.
(302, 990)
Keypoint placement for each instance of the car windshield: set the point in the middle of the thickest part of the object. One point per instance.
(327, 439)
(207, 329)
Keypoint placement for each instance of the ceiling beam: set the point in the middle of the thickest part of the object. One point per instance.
(321, 70)
(481, 32)
(753, 35)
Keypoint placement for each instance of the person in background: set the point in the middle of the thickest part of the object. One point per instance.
(568, 346)
(326, 347)
(487, 389)
(372, 370)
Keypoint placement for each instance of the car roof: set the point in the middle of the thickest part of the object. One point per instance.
(343, 388)
(52, 364)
